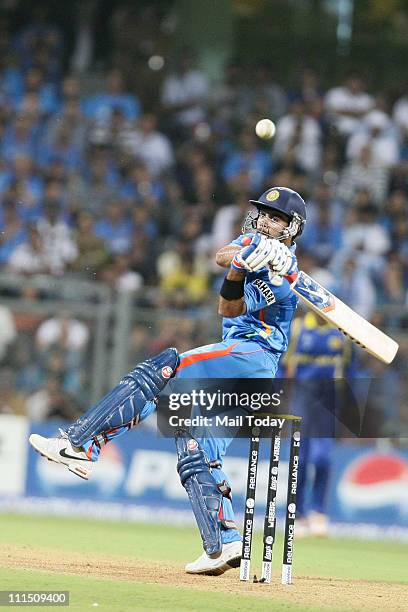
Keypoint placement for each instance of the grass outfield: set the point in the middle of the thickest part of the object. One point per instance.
(140, 567)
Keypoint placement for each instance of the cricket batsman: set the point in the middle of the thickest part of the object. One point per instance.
(257, 306)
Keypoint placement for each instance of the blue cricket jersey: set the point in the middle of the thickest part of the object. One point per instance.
(318, 351)
(270, 311)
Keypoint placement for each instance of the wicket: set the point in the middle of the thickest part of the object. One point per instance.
(245, 567)
(270, 512)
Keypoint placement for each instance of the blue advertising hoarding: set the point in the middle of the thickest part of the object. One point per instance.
(138, 471)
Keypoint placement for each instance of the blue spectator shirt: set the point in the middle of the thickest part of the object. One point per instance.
(100, 106)
(258, 165)
(117, 237)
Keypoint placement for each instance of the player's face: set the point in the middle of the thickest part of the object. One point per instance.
(271, 223)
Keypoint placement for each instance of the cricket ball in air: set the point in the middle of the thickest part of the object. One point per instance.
(265, 128)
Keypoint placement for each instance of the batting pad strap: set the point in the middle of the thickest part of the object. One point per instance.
(124, 403)
(101, 440)
(226, 523)
(202, 490)
(225, 489)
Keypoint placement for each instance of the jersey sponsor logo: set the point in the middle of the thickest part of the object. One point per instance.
(265, 290)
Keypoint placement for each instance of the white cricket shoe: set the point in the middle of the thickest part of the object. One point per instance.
(61, 450)
(230, 557)
(318, 524)
(302, 528)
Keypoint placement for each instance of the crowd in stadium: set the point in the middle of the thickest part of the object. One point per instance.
(99, 180)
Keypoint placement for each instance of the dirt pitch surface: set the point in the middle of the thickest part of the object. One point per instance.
(307, 591)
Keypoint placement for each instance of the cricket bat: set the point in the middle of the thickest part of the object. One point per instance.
(344, 318)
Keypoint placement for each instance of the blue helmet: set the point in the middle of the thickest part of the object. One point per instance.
(284, 200)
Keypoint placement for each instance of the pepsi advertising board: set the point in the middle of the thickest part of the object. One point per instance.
(136, 479)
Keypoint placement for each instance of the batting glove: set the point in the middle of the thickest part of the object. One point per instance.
(239, 262)
(283, 262)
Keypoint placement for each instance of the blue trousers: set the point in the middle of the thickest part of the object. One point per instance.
(314, 452)
(227, 359)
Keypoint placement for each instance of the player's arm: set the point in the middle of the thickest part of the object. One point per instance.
(225, 255)
(231, 301)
